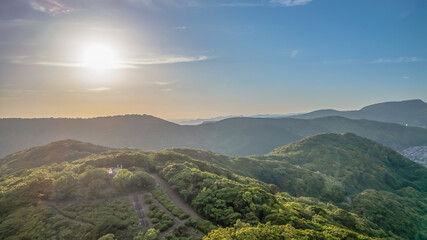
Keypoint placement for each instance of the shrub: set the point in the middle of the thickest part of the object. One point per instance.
(203, 226)
(169, 205)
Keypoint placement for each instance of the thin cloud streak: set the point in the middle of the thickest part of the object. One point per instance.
(63, 7)
(242, 5)
(99, 89)
(52, 7)
(398, 60)
(135, 63)
(166, 60)
(378, 61)
(290, 3)
(164, 83)
(294, 53)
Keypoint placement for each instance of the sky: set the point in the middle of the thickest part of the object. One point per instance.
(181, 59)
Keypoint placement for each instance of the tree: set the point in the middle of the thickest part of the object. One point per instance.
(109, 236)
(142, 180)
(64, 188)
(150, 234)
(123, 178)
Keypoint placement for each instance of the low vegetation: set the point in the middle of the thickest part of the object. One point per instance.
(244, 231)
(163, 198)
(159, 218)
(202, 225)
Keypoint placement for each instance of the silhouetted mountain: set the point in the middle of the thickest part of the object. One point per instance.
(219, 118)
(235, 136)
(410, 112)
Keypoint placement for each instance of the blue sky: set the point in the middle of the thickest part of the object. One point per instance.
(204, 58)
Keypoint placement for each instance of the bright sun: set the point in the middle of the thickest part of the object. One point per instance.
(99, 56)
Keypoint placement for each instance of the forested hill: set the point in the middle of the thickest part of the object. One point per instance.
(329, 186)
(353, 172)
(358, 163)
(410, 112)
(55, 152)
(236, 136)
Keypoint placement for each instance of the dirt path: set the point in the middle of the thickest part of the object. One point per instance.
(170, 230)
(139, 212)
(72, 219)
(176, 221)
(175, 197)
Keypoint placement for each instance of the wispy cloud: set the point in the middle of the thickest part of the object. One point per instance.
(99, 89)
(53, 64)
(129, 63)
(61, 7)
(181, 28)
(290, 3)
(165, 60)
(286, 3)
(242, 5)
(398, 60)
(405, 77)
(164, 83)
(294, 53)
(377, 61)
(52, 7)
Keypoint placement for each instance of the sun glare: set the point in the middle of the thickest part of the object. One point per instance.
(99, 56)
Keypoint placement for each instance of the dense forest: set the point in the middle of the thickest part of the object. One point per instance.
(328, 186)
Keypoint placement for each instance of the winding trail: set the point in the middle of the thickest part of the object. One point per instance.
(139, 211)
(161, 183)
(176, 221)
(72, 219)
(175, 197)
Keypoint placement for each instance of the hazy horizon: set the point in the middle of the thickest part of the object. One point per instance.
(201, 117)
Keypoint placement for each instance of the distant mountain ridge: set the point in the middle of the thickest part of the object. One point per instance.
(235, 136)
(216, 119)
(409, 112)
